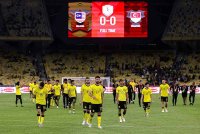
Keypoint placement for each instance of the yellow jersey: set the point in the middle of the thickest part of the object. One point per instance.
(146, 92)
(40, 95)
(122, 93)
(48, 88)
(85, 90)
(57, 89)
(34, 86)
(31, 86)
(18, 90)
(164, 90)
(72, 91)
(65, 87)
(133, 84)
(97, 91)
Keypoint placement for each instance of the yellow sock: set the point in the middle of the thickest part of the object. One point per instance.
(42, 120)
(52, 102)
(33, 100)
(148, 111)
(85, 117)
(99, 120)
(89, 119)
(39, 119)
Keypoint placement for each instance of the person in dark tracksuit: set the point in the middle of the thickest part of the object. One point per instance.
(192, 93)
(184, 90)
(130, 93)
(114, 92)
(174, 90)
(139, 88)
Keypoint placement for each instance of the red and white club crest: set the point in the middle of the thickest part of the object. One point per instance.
(136, 16)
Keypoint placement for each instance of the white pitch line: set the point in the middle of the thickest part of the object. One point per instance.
(106, 126)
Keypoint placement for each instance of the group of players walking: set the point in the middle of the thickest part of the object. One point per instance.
(173, 89)
(92, 97)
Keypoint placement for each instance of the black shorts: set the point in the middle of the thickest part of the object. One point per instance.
(18, 97)
(87, 105)
(164, 99)
(72, 100)
(49, 95)
(122, 105)
(96, 108)
(184, 94)
(192, 93)
(56, 97)
(41, 107)
(146, 105)
(65, 95)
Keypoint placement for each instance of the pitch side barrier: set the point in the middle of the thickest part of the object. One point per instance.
(12, 89)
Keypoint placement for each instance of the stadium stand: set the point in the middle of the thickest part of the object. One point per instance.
(15, 66)
(22, 18)
(149, 66)
(143, 65)
(74, 64)
(184, 21)
(3, 29)
(191, 66)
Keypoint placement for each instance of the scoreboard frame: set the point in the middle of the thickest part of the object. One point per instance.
(104, 32)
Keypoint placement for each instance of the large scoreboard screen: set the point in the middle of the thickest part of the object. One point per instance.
(108, 19)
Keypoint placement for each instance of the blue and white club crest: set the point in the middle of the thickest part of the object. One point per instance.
(80, 17)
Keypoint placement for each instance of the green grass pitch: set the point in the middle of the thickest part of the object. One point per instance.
(22, 120)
